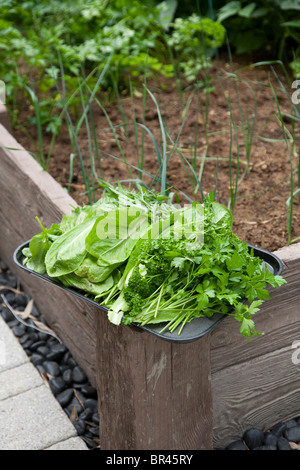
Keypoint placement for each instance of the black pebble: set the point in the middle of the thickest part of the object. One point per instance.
(253, 437)
(79, 426)
(89, 441)
(270, 439)
(79, 375)
(236, 445)
(89, 391)
(91, 403)
(10, 281)
(33, 336)
(21, 300)
(23, 339)
(80, 396)
(86, 415)
(266, 447)
(37, 344)
(70, 360)
(11, 298)
(291, 423)
(19, 330)
(6, 314)
(283, 444)
(65, 397)
(67, 376)
(57, 385)
(37, 359)
(56, 352)
(43, 350)
(52, 368)
(62, 367)
(75, 403)
(293, 433)
(278, 429)
(43, 336)
(94, 431)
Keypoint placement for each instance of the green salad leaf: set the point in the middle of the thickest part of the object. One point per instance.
(150, 262)
(68, 251)
(39, 246)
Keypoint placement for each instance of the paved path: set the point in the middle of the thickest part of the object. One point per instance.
(30, 416)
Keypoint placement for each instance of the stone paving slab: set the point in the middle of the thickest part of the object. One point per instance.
(18, 380)
(11, 352)
(70, 444)
(30, 416)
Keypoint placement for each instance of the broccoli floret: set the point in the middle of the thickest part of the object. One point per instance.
(134, 301)
(150, 267)
(143, 281)
(137, 289)
(139, 284)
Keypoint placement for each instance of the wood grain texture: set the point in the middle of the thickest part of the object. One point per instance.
(257, 393)
(256, 383)
(153, 394)
(278, 318)
(28, 191)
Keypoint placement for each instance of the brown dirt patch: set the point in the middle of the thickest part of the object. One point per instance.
(260, 214)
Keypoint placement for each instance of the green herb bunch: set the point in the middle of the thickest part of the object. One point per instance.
(145, 277)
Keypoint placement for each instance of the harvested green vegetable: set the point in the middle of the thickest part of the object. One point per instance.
(68, 251)
(150, 262)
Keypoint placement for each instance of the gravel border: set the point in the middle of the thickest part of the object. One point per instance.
(67, 381)
(70, 386)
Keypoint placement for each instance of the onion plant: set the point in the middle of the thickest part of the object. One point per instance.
(289, 137)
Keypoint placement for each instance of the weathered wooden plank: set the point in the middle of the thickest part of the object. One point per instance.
(257, 393)
(28, 191)
(153, 394)
(256, 384)
(279, 319)
(289, 254)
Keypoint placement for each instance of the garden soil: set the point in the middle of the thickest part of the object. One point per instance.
(221, 124)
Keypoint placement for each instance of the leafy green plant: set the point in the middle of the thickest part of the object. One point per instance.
(132, 253)
(194, 41)
(290, 132)
(245, 126)
(290, 140)
(86, 117)
(132, 35)
(263, 25)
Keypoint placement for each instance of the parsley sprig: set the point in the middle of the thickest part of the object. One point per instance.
(167, 281)
(170, 284)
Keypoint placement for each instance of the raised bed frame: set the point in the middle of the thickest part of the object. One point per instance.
(155, 394)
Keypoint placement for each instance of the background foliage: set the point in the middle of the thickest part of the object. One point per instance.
(57, 54)
(135, 36)
(170, 38)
